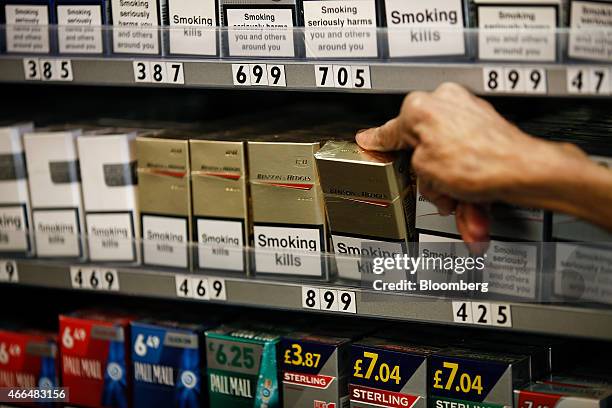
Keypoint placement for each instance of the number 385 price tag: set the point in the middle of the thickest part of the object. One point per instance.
(94, 278)
(35, 69)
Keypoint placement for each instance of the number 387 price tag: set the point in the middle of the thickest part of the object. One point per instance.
(159, 72)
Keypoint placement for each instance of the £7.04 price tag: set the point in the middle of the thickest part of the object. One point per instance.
(35, 69)
(343, 76)
(8, 271)
(94, 278)
(159, 72)
(200, 287)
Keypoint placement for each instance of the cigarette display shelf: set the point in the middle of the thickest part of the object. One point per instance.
(553, 319)
(560, 76)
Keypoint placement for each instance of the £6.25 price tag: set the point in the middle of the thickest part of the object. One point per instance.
(343, 76)
(94, 278)
(8, 271)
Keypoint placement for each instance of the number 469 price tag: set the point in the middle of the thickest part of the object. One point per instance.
(200, 287)
(94, 278)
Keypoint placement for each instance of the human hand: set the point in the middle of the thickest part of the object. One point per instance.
(467, 155)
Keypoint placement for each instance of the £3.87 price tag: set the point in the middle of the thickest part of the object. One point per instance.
(8, 271)
(200, 287)
(94, 278)
(35, 69)
(343, 76)
(159, 72)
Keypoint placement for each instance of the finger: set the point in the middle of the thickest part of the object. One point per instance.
(385, 138)
(445, 204)
(473, 225)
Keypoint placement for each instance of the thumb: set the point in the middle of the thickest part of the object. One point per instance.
(385, 138)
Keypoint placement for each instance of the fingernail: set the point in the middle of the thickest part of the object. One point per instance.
(362, 137)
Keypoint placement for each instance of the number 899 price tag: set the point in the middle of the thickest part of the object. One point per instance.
(514, 80)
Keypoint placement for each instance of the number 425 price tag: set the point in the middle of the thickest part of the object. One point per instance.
(482, 313)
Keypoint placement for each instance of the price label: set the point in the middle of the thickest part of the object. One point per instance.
(369, 366)
(8, 271)
(31, 72)
(295, 355)
(515, 79)
(94, 278)
(462, 312)
(347, 302)
(311, 298)
(183, 286)
(589, 80)
(329, 299)
(237, 356)
(482, 313)
(343, 76)
(450, 377)
(200, 287)
(159, 72)
(258, 75)
(47, 70)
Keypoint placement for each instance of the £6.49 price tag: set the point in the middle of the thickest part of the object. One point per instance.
(343, 76)
(159, 72)
(40, 69)
(8, 271)
(258, 75)
(515, 79)
(200, 287)
(94, 278)
(482, 313)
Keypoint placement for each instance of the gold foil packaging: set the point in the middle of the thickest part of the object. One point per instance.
(289, 223)
(369, 199)
(220, 204)
(164, 197)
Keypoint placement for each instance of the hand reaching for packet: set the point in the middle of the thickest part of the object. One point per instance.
(466, 156)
